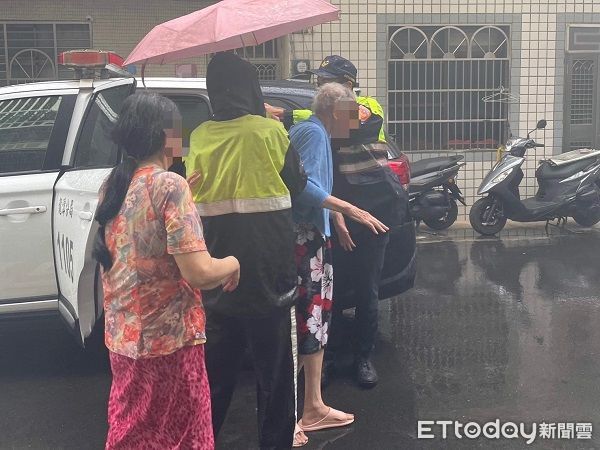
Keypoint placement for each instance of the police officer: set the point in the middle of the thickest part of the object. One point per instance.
(336, 69)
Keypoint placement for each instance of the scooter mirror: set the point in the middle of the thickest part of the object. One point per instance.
(541, 124)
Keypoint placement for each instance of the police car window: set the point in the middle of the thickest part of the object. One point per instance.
(194, 110)
(95, 147)
(26, 126)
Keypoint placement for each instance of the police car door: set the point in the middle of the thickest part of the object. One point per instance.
(33, 131)
(88, 161)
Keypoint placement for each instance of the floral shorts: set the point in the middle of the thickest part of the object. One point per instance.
(315, 288)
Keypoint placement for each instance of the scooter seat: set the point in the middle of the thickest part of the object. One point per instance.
(427, 165)
(548, 171)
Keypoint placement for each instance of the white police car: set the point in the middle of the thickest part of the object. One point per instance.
(55, 152)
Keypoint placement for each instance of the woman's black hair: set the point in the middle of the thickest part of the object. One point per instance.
(139, 132)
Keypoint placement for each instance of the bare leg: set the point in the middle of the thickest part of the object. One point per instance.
(314, 407)
(300, 439)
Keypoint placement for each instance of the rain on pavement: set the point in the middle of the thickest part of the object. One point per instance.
(494, 329)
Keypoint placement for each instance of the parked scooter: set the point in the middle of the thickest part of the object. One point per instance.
(433, 191)
(569, 186)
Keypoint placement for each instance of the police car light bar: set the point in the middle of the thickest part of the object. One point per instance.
(89, 59)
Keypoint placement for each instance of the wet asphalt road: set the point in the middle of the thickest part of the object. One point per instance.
(495, 329)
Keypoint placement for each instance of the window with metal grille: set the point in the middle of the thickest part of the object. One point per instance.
(28, 51)
(582, 92)
(437, 77)
(265, 57)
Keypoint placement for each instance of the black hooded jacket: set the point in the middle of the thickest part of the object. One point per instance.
(262, 240)
(233, 87)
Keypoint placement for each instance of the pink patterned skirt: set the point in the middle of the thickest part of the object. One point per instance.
(160, 403)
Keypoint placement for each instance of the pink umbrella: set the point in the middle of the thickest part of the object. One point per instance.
(228, 25)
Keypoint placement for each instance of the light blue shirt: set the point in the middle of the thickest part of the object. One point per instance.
(313, 144)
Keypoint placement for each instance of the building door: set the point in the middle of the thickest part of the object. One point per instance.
(582, 87)
(581, 105)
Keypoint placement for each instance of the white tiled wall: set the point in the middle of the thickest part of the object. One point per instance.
(536, 67)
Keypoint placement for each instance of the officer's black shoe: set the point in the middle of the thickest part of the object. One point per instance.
(366, 375)
(327, 373)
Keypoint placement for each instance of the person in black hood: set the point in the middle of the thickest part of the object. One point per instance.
(233, 87)
(242, 173)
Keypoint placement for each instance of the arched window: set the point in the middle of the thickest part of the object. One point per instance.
(449, 43)
(28, 51)
(31, 65)
(437, 78)
(408, 43)
(489, 43)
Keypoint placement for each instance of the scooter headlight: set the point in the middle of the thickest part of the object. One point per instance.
(501, 177)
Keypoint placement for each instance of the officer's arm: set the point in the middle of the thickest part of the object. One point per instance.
(287, 116)
(294, 116)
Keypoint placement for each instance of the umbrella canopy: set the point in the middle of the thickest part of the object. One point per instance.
(228, 25)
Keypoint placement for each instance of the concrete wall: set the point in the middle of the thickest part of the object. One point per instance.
(117, 25)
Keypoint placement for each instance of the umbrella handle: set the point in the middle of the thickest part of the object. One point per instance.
(143, 71)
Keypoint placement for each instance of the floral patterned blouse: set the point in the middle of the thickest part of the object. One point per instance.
(150, 310)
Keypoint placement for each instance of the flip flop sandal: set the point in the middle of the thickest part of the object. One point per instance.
(326, 422)
(297, 442)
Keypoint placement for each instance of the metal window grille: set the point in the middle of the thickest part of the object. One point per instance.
(437, 77)
(29, 50)
(265, 57)
(582, 92)
(267, 71)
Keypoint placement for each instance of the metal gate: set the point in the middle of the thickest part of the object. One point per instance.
(582, 87)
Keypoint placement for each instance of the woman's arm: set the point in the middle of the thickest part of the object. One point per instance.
(185, 238)
(203, 271)
(356, 214)
(309, 141)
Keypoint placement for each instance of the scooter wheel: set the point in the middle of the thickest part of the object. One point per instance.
(488, 227)
(446, 220)
(587, 218)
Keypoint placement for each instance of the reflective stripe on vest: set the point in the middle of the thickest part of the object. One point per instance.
(243, 205)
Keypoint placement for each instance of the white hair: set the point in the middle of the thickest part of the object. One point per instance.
(328, 95)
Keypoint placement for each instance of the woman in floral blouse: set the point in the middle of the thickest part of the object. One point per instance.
(154, 259)
(335, 113)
